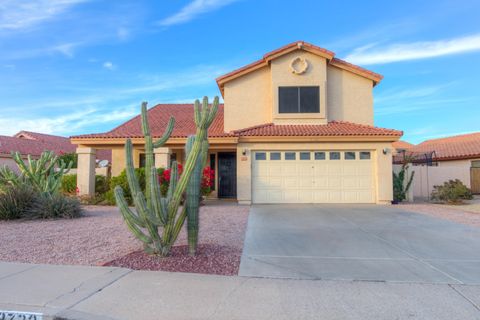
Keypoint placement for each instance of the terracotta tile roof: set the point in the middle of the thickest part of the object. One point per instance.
(158, 118)
(329, 55)
(24, 146)
(159, 115)
(334, 128)
(34, 143)
(402, 145)
(466, 146)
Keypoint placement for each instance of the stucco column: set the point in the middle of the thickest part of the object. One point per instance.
(162, 157)
(86, 171)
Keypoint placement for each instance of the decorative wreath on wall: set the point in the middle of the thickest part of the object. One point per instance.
(299, 65)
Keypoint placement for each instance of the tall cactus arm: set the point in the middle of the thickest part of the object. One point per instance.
(173, 180)
(166, 135)
(197, 115)
(126, 212)
(156, 196)
(207, 118)
(128, 217)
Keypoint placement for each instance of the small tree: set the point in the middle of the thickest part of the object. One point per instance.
(401, 182)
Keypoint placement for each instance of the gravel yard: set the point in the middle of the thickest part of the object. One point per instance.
(458, 213)
(102, 237)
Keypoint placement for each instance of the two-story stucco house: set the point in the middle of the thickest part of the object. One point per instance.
(296, 127)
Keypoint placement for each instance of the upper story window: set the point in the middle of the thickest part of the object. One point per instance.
(299, 99)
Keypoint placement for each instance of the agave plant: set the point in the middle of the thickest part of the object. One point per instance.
(157, 220)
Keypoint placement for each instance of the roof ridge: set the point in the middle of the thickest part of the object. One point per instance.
(254, 127)
(451, 137)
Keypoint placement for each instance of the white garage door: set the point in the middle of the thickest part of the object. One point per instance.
(312, 177)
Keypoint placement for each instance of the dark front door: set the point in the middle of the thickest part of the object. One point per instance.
(227, 175)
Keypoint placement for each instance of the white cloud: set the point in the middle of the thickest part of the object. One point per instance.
(66, 124)
(193, 9)
(412, 51)
(109, 65)
(17, 15)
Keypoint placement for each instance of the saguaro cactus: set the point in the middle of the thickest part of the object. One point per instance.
(154, 213)
(193, 189)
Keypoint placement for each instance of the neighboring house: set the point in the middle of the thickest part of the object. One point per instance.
(296, 127)
(33, 144)
(456, 157)
(401, 146)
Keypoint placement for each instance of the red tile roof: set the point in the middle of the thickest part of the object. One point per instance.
(159, 115)
(334, 128)
(158, 118)
(34, 143)
(466, 146)
(329, 55)
(402, 145)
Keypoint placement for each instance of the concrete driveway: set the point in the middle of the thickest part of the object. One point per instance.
(358, 242)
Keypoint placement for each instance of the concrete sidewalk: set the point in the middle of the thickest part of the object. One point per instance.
(80, 292)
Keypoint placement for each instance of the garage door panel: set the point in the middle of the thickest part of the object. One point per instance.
(305, 170)
(319, 180)
(275, 182)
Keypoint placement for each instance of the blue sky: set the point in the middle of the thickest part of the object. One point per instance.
(79, 66)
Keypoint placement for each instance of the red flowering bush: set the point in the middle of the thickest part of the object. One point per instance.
(208, 179)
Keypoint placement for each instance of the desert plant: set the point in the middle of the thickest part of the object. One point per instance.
(400, 185)
(69, 157)
(452, 191)
(44, 174)
(8, 177)
(122, 181)
(16, 201)
(69, 184)
(158, 220)
(54, 206)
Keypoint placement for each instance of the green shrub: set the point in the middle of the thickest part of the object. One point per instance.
(54, 206)
(69, 184)
(121, 180)
(67, 157)
(452, 191)
(16, 201)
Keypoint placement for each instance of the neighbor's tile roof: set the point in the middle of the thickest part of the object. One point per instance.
(159, 115)
(34, 143)
(466, 146)
(24, 146)
(158, 118)
(334, 128)
(403, 145)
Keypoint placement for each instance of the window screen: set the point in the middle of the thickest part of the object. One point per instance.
(260, 156)
(274, 155)
(334, 155)
(364, 155)
(319, 155)
(304, 155)
(299, 99)
(349, 155)
(290, 156)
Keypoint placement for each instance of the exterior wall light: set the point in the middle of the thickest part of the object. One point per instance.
(244, 152)
(386, 151)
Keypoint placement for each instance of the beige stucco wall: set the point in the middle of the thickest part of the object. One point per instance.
(382, 164)
(247, 100)
(281, 75)
(252, 99)
(349, 97)
(428, 176)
